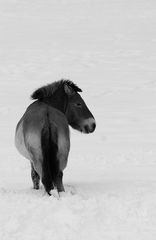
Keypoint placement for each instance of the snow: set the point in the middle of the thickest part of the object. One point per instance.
(108, 49)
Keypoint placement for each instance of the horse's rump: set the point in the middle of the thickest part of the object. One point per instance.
(44, 134)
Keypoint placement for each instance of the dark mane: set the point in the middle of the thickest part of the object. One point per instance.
(49, 90)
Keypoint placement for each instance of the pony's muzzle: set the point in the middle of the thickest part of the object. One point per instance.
(89, 125)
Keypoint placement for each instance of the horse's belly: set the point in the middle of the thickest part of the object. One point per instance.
(19, 142)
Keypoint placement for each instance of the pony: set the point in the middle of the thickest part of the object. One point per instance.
(42, 134)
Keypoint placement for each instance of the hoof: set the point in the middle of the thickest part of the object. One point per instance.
(36, 187)
(54, 193)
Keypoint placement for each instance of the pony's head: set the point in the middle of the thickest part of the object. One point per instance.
(78, 115)
(64, 95)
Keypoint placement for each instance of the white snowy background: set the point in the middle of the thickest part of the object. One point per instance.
(108, 48)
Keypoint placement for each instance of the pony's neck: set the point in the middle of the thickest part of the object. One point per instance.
(58, 100)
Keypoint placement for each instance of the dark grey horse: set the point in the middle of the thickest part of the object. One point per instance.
(42, 134)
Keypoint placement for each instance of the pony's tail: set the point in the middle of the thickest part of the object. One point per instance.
(49, 152)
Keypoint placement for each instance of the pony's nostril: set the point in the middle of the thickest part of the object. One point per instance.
(93, 126)
(89, 128)
(86, 128)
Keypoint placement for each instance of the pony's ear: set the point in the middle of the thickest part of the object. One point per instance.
(68, 90)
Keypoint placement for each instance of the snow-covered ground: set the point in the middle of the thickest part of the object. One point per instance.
(108, 48)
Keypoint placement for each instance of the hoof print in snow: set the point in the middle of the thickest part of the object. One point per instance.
(70, 189)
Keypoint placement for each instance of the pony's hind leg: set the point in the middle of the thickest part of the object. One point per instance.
(47, 183)
(35, 178)
(58, 182)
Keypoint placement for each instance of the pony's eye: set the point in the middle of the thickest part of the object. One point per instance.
(78, 104)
